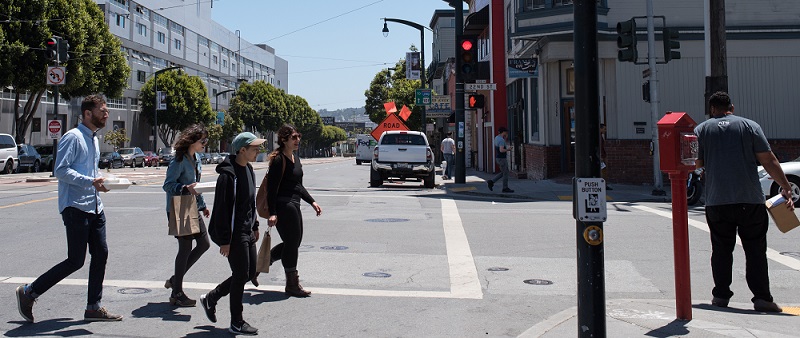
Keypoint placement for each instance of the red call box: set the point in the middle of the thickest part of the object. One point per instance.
(677, 143)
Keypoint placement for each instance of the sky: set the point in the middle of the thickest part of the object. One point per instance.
(334, 48)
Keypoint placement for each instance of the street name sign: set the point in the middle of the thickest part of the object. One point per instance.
(480, 86)
(391, 122)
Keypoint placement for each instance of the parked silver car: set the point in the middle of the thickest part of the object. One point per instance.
(133, 157)
(29, 159)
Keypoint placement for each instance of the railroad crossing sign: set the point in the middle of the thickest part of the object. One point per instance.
(55, 76)
(53, 129)
(391, 122)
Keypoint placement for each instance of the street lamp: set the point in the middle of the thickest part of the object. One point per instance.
(155, 107)
(216, 98)
(422, 47)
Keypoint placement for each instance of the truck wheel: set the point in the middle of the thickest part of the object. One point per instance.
(430, 181)
(358, 162)
(375, 179)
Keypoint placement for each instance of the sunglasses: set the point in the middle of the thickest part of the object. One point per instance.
(204, 141)
(297, 136)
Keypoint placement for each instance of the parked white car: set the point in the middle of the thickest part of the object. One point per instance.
(792, 171)
(9, 158)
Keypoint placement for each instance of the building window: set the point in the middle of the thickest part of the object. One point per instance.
(142, 29)
(115, 103)
(120, 20)
(224, 63)
(534, 4)
(135, 104)
(214, 58)
(160, 20)
(177, 44)
(141, 76)
(162, 38)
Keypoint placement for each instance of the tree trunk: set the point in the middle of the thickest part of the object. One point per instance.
(23, 121)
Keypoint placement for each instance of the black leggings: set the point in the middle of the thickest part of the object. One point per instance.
(290, 227)
(187, 257)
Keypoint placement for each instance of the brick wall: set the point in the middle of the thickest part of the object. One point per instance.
(785, 150)
(542, 162)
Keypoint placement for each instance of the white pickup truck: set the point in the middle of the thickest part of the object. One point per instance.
(402, 154)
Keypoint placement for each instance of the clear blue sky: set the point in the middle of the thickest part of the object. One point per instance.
(332, 62)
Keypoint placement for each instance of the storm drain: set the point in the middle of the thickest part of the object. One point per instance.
(387, 220)
(333, 247)
(376, 274)
(133, 291)
(791, 254)
(537, 282)
(497, 268)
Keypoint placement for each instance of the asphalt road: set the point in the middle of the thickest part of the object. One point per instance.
(395, 261)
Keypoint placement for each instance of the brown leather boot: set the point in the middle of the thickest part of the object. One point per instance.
(293, 287)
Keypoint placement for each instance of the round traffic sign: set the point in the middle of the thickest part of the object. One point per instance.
(54, 126)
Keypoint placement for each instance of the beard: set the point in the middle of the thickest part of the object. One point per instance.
(98, 122)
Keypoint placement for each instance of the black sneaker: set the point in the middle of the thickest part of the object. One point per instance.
(242, 328)
(491, 184)
(101, 315)
(25, 303)
(761, 305)
(720, 302)
(210, 309)
(507, 190)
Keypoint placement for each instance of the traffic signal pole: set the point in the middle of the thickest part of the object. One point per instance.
(589, 234)
(658, 182)
(461, 162)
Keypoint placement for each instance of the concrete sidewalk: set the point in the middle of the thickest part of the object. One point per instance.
(559, 189)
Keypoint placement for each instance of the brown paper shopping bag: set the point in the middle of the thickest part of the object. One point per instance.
(183, 217)
(262, 264)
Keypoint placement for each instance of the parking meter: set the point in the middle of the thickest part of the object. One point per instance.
(678, 147)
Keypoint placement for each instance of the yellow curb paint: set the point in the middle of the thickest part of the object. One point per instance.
(791, 310)
(28, 202)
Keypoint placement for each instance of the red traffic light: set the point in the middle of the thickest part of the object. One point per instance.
(466, 45)
(51, 42)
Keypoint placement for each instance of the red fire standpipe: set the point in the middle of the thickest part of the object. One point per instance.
(680, 242)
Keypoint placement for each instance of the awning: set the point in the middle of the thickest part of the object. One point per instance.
(477, 22)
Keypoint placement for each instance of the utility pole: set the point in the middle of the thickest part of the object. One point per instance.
(716, 51)
(461, 161)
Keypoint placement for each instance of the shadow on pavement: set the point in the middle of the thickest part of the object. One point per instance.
(676, 327)
(729, 309)
(51, 327)
(259, 297)
(165, 311)
(209, 331)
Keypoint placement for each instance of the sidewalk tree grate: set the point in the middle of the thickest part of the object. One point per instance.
(791, 254)
(377, 274)
(497, 268)
(387, 220)
(333, 247)
(537, 282)
(133, 291)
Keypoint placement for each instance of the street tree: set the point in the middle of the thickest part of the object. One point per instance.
(187, 103)
(303, 117)
(117, 138)
(225, 132)
(330, 135)
(259, 105)
(393, 88)
(96, 62)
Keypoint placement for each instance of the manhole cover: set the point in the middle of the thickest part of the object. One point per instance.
(537, 282)
(497, 268)
(377, 274)
(791, 254)
(387, 220)
(333, 247)
(304, 246)
(133, 291)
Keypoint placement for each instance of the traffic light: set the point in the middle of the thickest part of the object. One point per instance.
(626, 41)
(671, 44)
(51, 52)
(468, 52)
(63, 48)
(475, 101)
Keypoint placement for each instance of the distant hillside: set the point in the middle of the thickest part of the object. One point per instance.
(346, 114)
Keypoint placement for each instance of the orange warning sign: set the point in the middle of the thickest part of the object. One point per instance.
(391, 122)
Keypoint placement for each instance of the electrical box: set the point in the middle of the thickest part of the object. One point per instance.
(677, 143)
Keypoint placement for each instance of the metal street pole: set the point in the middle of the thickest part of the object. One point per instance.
(155, 110)
(461, 158)
(216, 98)
(658, 182)
(718, 69)
(421, 29)
(589, 234)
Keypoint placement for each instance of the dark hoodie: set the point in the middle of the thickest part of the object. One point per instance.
(234, 214)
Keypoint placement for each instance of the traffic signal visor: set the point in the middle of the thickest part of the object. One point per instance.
(469, 56)
(626, 41)
(51, 51)
(671, 44)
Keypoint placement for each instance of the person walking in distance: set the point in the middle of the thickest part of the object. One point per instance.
(182, 176)
(448, 149)
(501, 149)
(79, 185)
(284, 191)
(730, 147)
(234, 227)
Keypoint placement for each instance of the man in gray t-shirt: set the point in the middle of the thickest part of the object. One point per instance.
(731, 147)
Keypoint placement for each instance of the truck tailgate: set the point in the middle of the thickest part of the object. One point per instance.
(402, 153)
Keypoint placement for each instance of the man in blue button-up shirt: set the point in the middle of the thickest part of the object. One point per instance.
(79, 182)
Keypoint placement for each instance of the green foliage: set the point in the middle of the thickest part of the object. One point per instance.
(96, 63)
(330, 135)
(116, 138)
(397, 88)
(187, 103)
(259, 105)
(304, 118)
(218, 133)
